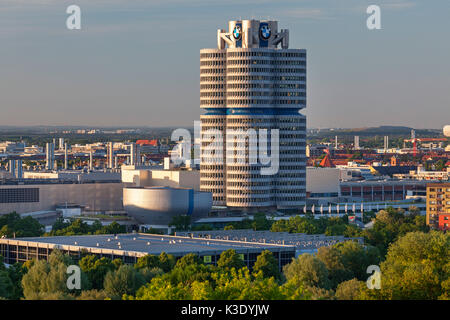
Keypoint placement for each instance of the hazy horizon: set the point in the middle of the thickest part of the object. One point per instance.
(135, 63)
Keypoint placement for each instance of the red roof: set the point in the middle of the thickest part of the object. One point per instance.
(326, 162)
(147, 142)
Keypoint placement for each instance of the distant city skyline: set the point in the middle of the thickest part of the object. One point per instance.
(136, 63)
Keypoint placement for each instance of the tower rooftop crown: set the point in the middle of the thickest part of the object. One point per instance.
(252, 34)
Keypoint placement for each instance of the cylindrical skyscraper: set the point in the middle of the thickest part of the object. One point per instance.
(249, 85)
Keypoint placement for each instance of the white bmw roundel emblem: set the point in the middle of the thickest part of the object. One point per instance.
(237, 32)
(265, 32)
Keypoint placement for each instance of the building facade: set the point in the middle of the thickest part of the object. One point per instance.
(438, 206)
(43, 195)
(250, 84)
(389, 190)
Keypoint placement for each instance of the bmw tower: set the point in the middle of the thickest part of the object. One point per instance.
(253, 81)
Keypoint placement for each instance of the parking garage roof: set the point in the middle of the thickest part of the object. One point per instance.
(147, 244)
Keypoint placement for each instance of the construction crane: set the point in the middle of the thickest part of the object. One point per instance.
(414, 140)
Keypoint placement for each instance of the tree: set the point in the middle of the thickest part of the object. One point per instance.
(13, 224)
(230, 259)
(112, 228)
(416, 267)
(117, 263)
(60, 224)
(332, 258)
(241, 285)
(124, 281)
(181, 222)
(161, 289)
(48, 280)
(292, 290)
(267, 264)
(335, 230)
(147, 261)
(96, 269)
(350, 289)
(389, 225)
(308, 270)
(355, 258)
(16, 273)
(93, 295)
(149, 273)
(6, 285)
(188, 260)
(414, 210)
(189, 269)
(296, 224)
(260, 222)
(166, 261)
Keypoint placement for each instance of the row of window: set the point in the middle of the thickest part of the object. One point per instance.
(259, 94)
(438, 202)
(281, 167)
(245, 175)
(260, 101)
(216, 86)
(212, 183)
(252, 94)
(246, 192)
(221, 78)
(19, 195)
(265, 78)
(220, 122)
(301, 120)
(240, 184)
(264, 86)
(261, 200)
(272, 54)
(212, 55)
(213, 63)
(248, 70)
(439, 190)
(247, 62)
(212, 78)
(261, 70)
(216, 71)
(247, 120)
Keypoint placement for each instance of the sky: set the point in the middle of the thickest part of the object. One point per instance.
(136, 62)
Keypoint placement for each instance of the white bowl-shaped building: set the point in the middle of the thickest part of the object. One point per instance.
(158, 205)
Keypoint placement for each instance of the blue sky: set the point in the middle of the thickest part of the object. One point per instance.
(136, 62)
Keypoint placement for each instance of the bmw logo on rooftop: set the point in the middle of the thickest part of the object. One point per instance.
(237, 32)
(264, 32)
